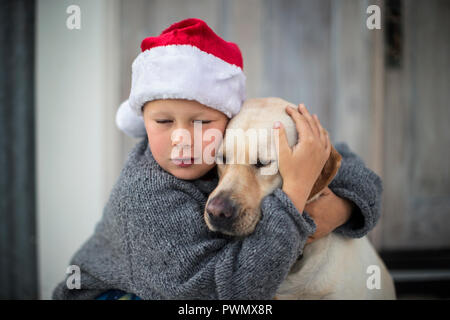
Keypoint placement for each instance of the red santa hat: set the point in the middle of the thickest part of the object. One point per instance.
(186, 61)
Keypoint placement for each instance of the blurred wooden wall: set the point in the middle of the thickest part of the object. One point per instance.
(320, 52)
(416, 149)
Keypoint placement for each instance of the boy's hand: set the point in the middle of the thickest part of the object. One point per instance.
(328, 212)
(301, 166)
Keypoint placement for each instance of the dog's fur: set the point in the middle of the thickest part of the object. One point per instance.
(333, 267)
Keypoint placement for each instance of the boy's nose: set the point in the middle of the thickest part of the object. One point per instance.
(179, 142)
(221, 212)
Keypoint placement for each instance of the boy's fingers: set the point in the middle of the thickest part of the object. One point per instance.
(323, 134)
(318, 126)
(307, 115)
(281, 142)
(301, 124)
(328, 144)
(324, 137)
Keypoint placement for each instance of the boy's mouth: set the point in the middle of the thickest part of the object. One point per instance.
(183, 162)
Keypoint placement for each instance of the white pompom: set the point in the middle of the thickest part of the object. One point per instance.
(129, 122)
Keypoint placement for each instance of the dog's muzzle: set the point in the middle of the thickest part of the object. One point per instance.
(222, 212)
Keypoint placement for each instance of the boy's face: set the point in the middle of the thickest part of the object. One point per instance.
(163, 117)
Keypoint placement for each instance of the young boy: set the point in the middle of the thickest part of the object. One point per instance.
(152, 241)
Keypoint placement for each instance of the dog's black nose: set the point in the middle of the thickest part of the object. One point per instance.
(221, 211)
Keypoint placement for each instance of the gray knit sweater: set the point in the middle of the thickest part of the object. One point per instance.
(152, 240)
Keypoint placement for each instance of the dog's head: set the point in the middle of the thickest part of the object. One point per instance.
(233, 208)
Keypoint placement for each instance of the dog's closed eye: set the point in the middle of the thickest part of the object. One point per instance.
(220, 158)
(260, 164)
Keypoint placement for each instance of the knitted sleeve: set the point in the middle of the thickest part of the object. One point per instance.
(357, 183)
(175, 257)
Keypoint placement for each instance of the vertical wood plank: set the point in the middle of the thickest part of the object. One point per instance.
(18, 256)
(359, 78)
(244, 27)
(296, 54)
(417, 113)
(352, 58)
(377, 72)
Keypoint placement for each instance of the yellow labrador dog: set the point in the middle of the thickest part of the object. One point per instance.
(333, 267)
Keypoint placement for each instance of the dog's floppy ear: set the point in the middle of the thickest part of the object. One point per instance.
(328, 173)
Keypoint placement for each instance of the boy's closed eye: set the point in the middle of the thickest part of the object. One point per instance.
(163, 121)
(170, 121)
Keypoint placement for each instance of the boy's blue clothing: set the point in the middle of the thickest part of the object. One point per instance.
(117, 295)
(152, 240)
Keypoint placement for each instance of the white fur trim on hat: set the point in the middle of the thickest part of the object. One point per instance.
(129, 122)
(186, 72)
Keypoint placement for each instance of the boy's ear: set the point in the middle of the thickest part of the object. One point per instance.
(328, 173)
